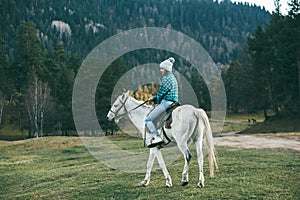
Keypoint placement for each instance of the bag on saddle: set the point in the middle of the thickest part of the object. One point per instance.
(167, 118)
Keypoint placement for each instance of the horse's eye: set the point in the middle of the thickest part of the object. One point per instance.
(115, 105)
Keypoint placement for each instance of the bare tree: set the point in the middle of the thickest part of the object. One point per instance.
(44, 92)
(5, 101)
(36, 101)
(3, 104)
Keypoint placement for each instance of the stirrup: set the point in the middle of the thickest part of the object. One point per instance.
(157, 140)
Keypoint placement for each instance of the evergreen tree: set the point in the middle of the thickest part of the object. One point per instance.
(28, 55)
(201, 90)
(61, 80)
(274, 55)
(257, 51)
(105, 90)
(5, 89)
(31, 77)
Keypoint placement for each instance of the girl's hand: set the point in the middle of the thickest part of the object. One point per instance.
(150, 99)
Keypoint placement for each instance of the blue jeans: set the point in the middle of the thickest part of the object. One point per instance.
(155, 115)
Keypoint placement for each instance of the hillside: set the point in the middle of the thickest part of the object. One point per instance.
(221, 28)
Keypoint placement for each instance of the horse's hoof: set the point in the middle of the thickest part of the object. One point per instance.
(169, 182)
(184, 183)
(144, 183)
(200, 185)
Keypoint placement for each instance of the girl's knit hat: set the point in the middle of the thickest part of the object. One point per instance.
(167, 64)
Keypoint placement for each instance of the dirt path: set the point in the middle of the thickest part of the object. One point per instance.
(279, 140)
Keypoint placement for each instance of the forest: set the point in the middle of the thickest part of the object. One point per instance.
(43, 43)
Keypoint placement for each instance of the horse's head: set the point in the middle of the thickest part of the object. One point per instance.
(118, 109)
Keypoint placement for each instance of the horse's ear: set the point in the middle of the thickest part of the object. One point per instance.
(123, 96)
(127, 93)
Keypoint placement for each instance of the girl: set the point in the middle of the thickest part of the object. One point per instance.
(167, 94)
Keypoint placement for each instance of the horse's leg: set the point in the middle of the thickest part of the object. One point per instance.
(162, 165)
(198, 144)
(187, 158)
(155, 152)
(150, 162)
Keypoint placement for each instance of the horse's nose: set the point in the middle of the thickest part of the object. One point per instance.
(109, 116)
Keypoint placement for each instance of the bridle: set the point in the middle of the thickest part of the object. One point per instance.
(123, 105)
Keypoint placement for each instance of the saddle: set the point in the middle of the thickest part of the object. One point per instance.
(167, 118)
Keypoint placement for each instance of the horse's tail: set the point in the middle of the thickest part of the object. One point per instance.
(209, 142)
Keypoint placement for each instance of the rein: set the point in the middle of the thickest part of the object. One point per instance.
(123, 104)
(138, 106)
(132, 109)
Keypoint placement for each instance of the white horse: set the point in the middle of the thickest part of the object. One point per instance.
(189, 124)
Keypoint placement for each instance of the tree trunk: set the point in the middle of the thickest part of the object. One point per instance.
(41, 107)
(3, 105)
(1, 112)
(42, 121)
(298, 78)
(36, 131)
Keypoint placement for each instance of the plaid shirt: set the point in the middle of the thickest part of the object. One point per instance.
(168, 89)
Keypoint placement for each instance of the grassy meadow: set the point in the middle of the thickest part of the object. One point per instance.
(62, 168)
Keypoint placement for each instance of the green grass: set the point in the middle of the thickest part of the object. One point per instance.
(62, 168)
(276, 124)
(237, 122)
(12, 132)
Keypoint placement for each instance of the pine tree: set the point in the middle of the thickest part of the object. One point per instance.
(31, 76)
(104, 91)
(28, 55)
(4, 80)
(274, 53)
